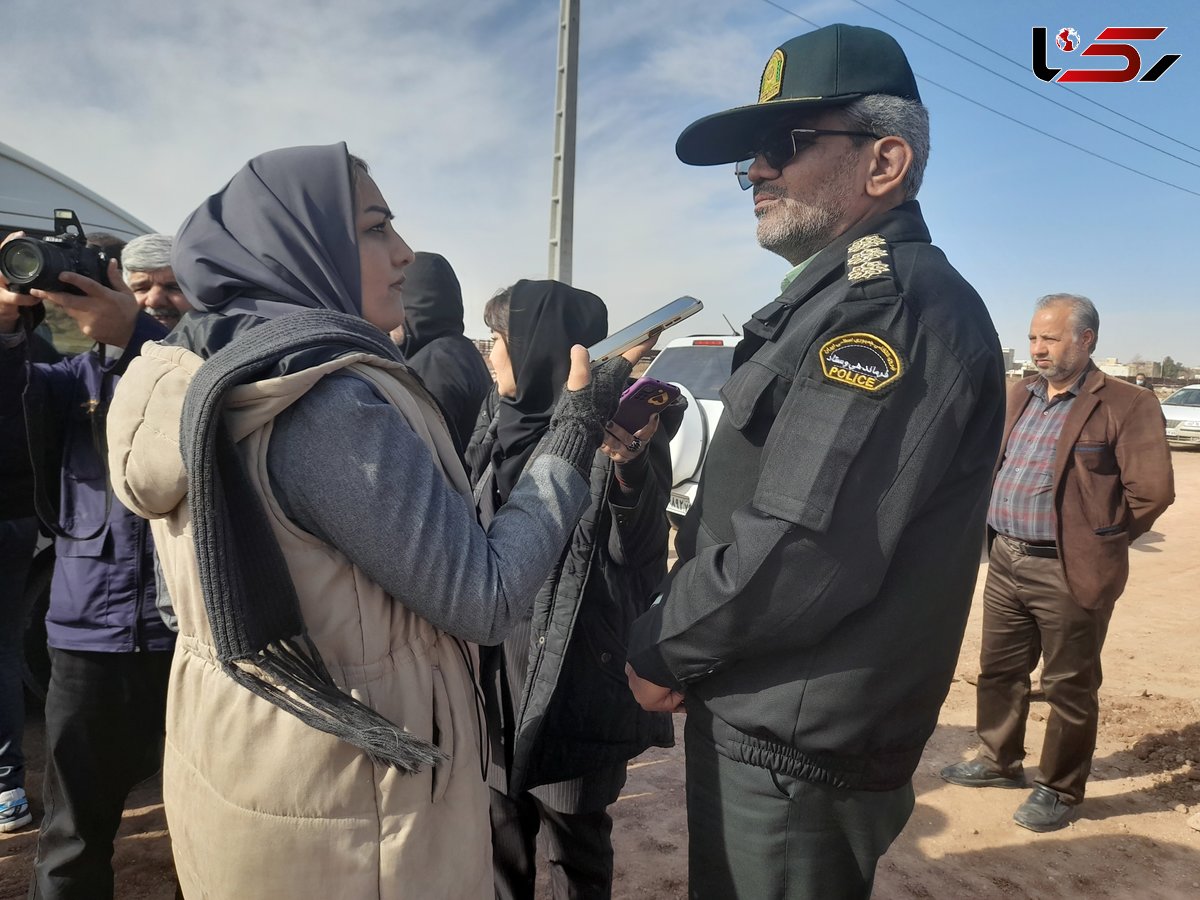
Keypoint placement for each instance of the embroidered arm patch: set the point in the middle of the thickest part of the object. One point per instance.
(860, 360)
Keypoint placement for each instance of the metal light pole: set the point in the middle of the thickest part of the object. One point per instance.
(562, 189)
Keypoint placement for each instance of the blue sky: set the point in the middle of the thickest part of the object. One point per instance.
(155, 105)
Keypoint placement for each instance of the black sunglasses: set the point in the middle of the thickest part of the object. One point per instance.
(779, 149)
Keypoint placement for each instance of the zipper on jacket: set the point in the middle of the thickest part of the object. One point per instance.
(140, 525)
(536, 668)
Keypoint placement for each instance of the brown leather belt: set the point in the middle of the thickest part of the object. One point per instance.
(1045, 551)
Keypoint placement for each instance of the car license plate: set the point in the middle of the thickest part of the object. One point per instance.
(679, 503)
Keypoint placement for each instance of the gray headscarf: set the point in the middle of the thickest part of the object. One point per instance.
(278, 236)
(278, 242)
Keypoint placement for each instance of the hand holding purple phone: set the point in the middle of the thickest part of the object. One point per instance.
(636, 418)
(641, 400)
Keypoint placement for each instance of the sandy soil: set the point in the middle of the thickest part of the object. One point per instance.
(1132, 839)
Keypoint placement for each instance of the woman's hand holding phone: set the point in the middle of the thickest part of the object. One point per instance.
(621, 446)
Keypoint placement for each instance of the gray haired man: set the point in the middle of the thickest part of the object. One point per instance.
(813, 620)
(146, 267)
(1084, 470)
(110, 649)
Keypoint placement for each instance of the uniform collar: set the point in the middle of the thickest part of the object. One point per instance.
(901, 224)
(794, 273)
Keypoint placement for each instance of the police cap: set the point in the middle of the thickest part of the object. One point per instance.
(831, 66)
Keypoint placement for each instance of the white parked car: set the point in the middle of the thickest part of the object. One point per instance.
(700, 365)
(1182, 412)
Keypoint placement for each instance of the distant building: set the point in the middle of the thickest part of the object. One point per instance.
(1009, 358)
(1111, 366)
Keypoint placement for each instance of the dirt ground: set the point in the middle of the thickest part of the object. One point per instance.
(1131, 841)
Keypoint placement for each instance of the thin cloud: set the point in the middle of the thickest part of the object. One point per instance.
(155, 105)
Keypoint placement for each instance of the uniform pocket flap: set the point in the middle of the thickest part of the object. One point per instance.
(813, 444)
(743, 391)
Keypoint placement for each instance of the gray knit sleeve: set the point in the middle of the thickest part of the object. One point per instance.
(346, 467)
(577, 426)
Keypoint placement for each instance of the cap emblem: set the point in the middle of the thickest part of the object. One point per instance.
(772, 78)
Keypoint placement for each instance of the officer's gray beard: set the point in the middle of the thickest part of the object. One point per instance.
(797, 230)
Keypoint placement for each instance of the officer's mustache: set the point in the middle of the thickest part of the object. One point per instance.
(769, 190)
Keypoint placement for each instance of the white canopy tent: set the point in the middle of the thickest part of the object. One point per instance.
(30, 191)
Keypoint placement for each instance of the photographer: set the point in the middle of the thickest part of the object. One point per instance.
(110, 651)
(18, 542)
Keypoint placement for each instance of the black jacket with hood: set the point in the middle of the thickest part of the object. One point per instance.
(434, 345)
(558, 703)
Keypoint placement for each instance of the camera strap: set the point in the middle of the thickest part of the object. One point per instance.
(35, 436)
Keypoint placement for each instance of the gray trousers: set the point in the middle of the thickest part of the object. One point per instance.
(762, 835)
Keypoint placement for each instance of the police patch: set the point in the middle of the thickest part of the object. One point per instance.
(860, 360)
(772, 78)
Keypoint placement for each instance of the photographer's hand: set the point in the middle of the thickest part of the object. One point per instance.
(10, 301)
(105, 315)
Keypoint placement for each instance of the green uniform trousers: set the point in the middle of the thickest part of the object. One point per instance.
(757, 834)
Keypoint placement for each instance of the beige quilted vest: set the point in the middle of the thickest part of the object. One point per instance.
(260, 805)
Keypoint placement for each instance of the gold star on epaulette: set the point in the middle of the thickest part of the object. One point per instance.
(867, 258)
(867, 255)
(871, 240)
(868, 270)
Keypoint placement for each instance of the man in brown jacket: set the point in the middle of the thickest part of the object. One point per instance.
(1084, 469)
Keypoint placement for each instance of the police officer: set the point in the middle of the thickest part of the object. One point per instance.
(813, 620)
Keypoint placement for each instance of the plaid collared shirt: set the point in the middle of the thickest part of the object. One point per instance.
(1022, 504)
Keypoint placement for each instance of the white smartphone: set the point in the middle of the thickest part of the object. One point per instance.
(671, 314)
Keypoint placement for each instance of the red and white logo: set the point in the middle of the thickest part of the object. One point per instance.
(1118, 42)
(1067, 39)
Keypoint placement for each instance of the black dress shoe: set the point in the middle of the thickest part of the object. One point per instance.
(1044, 810)
(977, 774)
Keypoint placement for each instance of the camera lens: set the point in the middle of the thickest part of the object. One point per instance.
(28, 263)
(21, 262)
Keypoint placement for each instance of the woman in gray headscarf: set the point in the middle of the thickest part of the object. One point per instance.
(318, 540)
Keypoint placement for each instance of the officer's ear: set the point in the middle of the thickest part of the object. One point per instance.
(891, 158)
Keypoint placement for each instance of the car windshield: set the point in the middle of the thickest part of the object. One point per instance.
(702, 370)
(1185, 397)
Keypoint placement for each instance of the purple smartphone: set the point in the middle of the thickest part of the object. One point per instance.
(641, 400)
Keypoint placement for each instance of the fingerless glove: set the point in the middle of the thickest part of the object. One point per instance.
(577, 426)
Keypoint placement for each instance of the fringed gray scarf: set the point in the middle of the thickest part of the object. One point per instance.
(249, 596)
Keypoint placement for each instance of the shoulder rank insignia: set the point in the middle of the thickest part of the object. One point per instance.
(867, 258)
(860, 360)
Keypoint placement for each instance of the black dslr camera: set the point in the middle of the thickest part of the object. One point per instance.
(27, 262)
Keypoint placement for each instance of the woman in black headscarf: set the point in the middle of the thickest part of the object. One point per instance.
(318, 540)
(560, 716)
